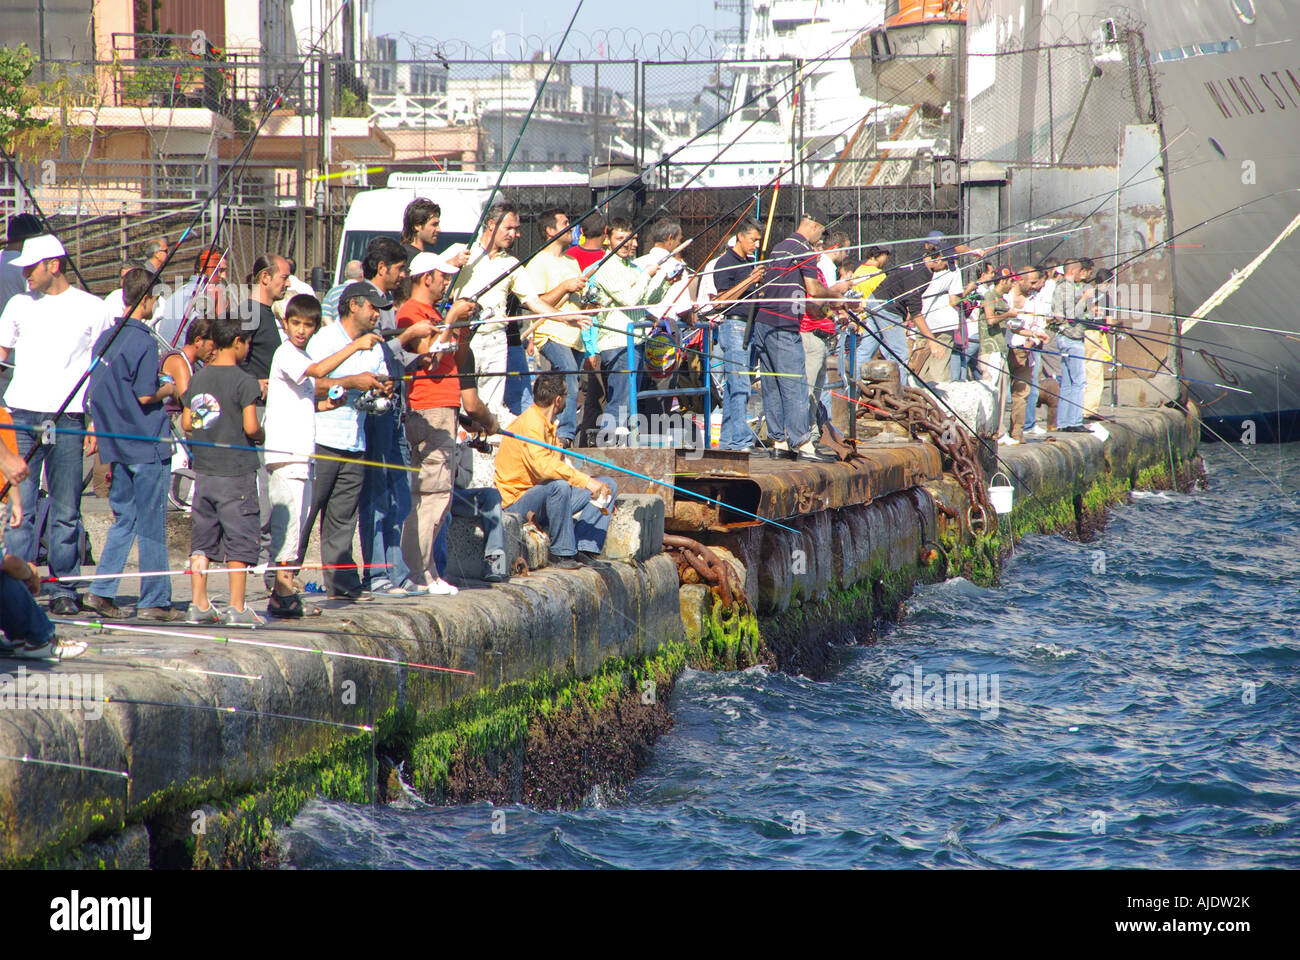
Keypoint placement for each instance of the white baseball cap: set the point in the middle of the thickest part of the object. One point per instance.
(425, 261)
(36, 249)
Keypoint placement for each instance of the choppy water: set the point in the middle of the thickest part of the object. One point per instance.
(1124, 733)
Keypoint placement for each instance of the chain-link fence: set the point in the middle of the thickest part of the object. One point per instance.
(1070, 106)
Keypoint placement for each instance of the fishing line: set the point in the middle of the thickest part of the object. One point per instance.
(260, 569)
(153, 631)
(642, 476)
(144, 666)
(273, 101)
(663, 161)
(496, 187)
(39, 428)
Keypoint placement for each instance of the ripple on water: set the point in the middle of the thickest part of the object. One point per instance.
(1146, 717)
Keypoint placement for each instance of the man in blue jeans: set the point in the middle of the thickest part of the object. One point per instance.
(125, 400)
(533, 478)
(792, 278)
(734, 275)
(559, 280)
(1071, 307)
(53, 327)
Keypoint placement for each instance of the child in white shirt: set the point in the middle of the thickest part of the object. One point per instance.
(296, 389)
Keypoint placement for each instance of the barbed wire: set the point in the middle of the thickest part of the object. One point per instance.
(610, 43)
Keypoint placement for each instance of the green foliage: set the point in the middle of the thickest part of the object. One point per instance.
(350, 105)
(493, 724)
(16, 97)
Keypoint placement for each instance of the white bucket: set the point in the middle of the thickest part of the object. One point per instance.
(1001, 496)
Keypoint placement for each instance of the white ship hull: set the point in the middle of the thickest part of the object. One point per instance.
(1229, 104)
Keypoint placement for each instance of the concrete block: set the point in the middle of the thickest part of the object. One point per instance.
(636, 528)
(972, 401)
(465, 545)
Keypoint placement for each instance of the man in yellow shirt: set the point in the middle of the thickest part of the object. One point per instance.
(534, 479)
(558, 280)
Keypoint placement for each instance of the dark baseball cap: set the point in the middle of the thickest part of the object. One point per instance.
(367, 291)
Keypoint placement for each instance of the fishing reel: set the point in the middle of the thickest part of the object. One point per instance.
(851, 294)
(372, 401)
(475, 441)
(589, 297)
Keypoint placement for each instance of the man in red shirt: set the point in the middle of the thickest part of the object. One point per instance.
(592, 247)
(434, 398)
(817, 326)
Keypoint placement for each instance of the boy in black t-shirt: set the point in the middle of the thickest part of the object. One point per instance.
(220, 409)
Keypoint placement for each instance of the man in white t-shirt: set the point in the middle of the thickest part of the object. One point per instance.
(53, 328)
(480, 279)
(295, 390)
(939, 306)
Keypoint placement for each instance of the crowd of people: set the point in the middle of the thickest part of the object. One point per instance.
(427, 385)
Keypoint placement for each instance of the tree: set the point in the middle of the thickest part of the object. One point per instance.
(16, 98)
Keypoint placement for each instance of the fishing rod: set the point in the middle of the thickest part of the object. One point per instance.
(642, 476)
(663, 161)
(28, 758)
(150, 666)
(50, 431)
(1125, 264)
(240, 161)
(219, 708)
(257, 570)
(496, 187)
(156, 632)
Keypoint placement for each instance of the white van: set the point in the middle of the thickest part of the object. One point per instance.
(461, 196)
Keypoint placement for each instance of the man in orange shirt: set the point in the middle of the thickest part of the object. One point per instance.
(534, 479)
(434, 397)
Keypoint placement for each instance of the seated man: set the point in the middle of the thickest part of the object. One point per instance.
(534, 479)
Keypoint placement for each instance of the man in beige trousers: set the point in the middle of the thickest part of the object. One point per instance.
(434, 396)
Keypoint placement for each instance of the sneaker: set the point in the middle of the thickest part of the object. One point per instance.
(779, 450)
(563, 563)
(1037, 431)
(1008, 441)
(248, 617)
(52, 649)
(360, 596)
(441, 588)
(159, 614)
(390, 591)
(105, 607)
(410, 589)
(194, 615)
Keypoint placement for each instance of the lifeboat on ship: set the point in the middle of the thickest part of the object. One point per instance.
(914, 57)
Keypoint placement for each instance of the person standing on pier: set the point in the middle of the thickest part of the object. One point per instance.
(1071, 310)
(559, 341)
(53, 327)
(126, 400)
(735, 275)
(792, 278)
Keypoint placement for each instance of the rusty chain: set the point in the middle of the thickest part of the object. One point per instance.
(917, 411)
(696, 563)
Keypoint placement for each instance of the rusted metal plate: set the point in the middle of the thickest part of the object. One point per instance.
(659, 463)
(779, 489)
